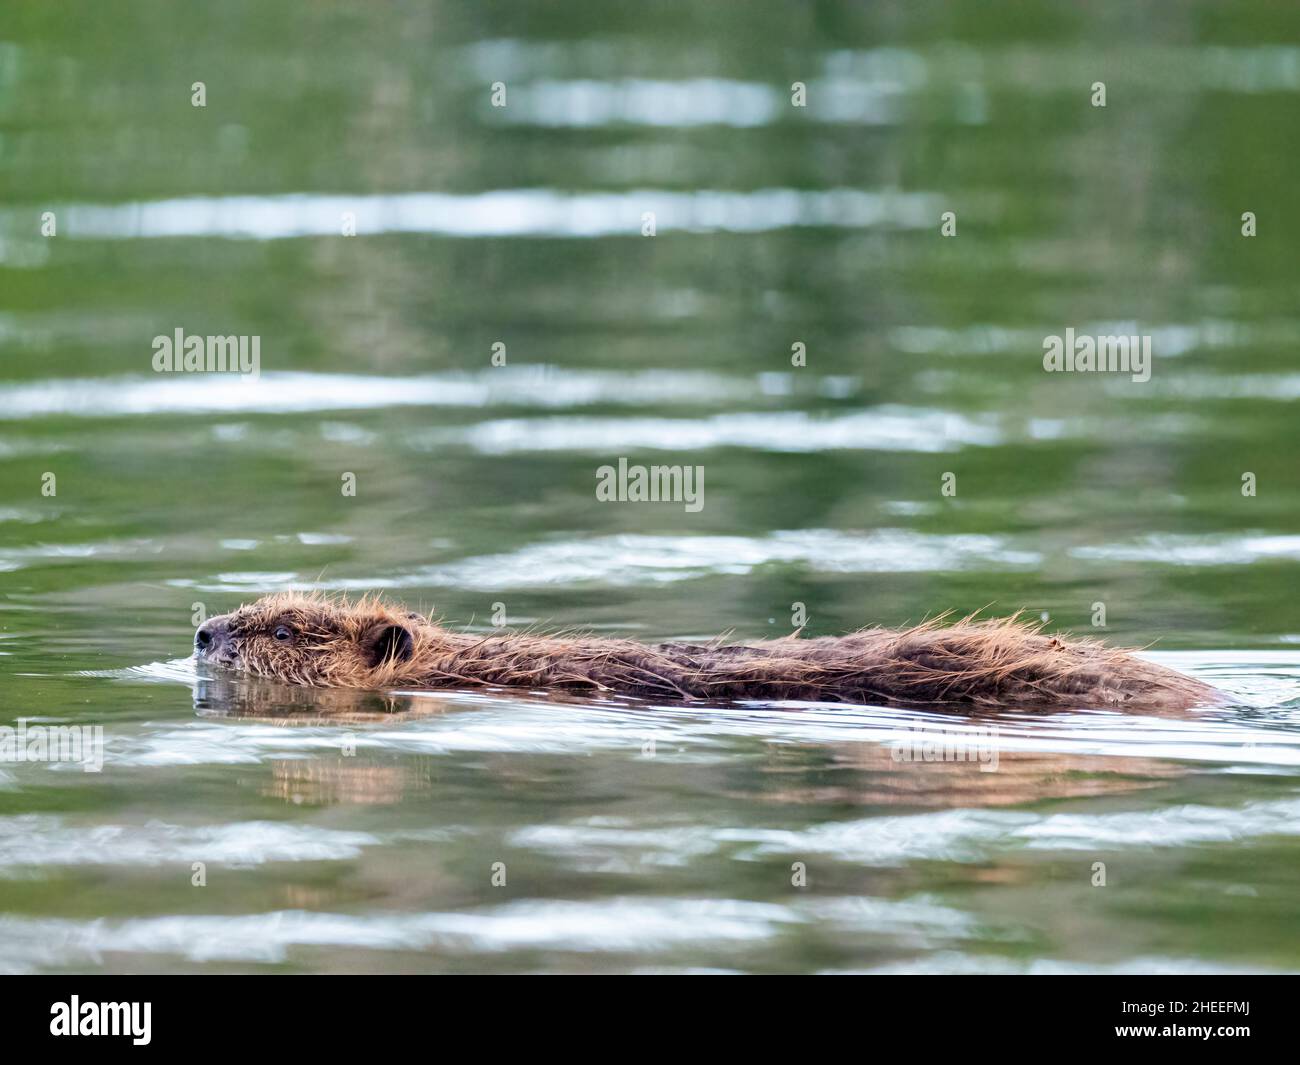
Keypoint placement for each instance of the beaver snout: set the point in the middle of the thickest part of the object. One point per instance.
(212, 640)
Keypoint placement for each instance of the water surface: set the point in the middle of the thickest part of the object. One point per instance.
(481, 831)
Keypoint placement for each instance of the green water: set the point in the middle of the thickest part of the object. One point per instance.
(473, 832)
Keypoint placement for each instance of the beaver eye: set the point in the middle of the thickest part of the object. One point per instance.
(283, 633)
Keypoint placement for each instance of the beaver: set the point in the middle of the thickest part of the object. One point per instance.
(313, 640)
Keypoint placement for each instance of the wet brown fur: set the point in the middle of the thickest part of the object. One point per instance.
(370, 644)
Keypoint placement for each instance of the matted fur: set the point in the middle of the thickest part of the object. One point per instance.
(370, 644)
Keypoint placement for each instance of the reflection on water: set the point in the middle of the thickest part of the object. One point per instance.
(444, 768)
(290, 393)
(242, 825)
(511, 213)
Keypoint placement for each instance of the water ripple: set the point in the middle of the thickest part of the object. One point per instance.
(634, 559)
(611, 924)
(505, 212)
(287, 393)
(890, 428)
(33, 840)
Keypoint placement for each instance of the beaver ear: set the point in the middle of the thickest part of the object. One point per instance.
(387, 641)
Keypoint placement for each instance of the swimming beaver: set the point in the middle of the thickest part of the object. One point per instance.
(324, 643)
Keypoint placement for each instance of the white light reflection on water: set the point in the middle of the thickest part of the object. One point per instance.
(286, 393)
(611, 924)
(506, 212)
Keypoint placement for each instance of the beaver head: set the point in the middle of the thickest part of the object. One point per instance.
(315, 641)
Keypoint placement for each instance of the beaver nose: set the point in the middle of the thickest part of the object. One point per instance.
(209, 633)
